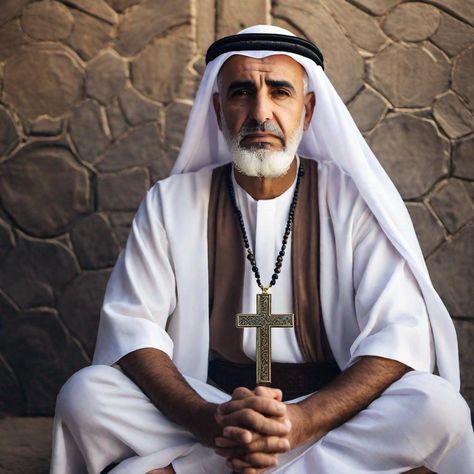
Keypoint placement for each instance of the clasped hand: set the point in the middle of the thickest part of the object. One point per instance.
(256, 427)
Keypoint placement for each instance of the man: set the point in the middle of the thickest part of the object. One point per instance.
(330, 238)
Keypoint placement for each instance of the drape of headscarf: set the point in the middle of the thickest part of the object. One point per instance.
(334, 136)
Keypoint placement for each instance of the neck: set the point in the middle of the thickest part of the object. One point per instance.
(266, 188)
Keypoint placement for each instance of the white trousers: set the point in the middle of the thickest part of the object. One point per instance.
(102, 417)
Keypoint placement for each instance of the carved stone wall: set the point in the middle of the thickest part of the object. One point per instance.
(94, 100)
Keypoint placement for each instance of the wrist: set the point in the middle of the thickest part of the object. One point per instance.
(309, 425)
(202, 423)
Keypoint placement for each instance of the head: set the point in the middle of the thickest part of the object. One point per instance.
(262, 108)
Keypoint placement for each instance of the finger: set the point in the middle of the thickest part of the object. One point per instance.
(239, 435)
(264, 444)
(267, 444)
(269, 392)
(222, 442)
(253, 421)
(265, 406)
(254, 460)
(241, 392)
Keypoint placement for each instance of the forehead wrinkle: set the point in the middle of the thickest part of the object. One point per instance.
(267, 68)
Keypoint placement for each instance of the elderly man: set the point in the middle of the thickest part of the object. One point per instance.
(345, 376)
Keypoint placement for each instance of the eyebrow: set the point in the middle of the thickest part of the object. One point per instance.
(269, 82)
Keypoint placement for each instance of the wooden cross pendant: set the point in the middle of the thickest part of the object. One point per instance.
(264, 320)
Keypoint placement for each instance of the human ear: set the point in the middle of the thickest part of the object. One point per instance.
(217, 108)
(309, 104)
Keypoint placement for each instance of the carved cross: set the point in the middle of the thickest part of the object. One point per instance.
(264, 320)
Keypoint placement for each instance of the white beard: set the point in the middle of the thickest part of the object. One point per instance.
(260, 162)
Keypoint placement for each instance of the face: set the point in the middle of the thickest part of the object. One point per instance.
(262, 107)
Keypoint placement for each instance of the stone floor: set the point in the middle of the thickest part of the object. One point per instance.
(25, 445)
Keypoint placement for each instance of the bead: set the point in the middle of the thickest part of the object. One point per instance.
(288, 229)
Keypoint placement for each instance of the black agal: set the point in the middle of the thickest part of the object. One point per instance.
(265, 42)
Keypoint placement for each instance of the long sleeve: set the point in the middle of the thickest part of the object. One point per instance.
(389, 305)
(141, 293)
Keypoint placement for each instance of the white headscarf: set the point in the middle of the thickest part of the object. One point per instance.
(334, 136)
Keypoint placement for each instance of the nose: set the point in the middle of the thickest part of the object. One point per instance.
(261, 110)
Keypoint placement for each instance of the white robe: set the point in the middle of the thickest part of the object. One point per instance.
(158, 293)
(158, 297)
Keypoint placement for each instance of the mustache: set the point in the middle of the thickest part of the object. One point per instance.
(251, 127)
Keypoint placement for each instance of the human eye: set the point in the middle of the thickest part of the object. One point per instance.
(281, 92)
(241, 92)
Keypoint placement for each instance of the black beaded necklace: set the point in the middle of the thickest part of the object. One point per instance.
(289, 226)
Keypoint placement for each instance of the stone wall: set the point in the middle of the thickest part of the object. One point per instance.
(94, 101)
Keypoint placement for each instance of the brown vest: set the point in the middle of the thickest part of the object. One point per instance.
(226, 257)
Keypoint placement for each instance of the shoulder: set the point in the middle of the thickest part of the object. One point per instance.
(185, 181)
(340, 195)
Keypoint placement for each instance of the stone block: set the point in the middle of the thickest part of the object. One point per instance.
(177, 115)
(34, 269)
(42, 80)
(409, 75)
(469, 187)
(47, 21)
(7, 240)
(363, 29)
(367, 108)
(235, 15)
(121, 222)
(87, 131)
(144, 22)
(58, 189)
(95, 8)
(12, 399)
(158, 72)
(453, 116)
(122, 191)
(80, 304)
(137, 109)
(412, 152)
(11, 9)
(11, 39)
(453, 36)
(428, 230)
(404, 23)
(90, 35)
(94, 242)
(205, 24)
(47, 358)
(452, 272)
(139, 148)
(462, 75)
(465, 333)
(8, 134)
(121, 5)
(459, 8)
(343, 64)
(44, 127)
(463, 159)
(106, 77)
(376, 7)
(117, 123)
(453, 205)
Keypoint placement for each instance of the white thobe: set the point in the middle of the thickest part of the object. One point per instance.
(157, 297)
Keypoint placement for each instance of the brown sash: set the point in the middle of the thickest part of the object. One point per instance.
(227, 262)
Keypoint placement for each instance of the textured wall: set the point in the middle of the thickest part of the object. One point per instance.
(94, 101)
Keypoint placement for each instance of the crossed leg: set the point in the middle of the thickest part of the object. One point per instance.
(103, 417)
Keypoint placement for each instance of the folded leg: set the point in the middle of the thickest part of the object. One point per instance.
(420, 420)
(102, 417)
